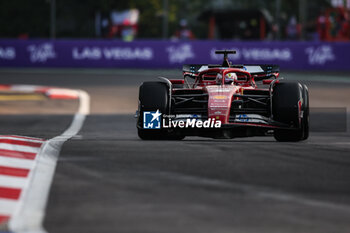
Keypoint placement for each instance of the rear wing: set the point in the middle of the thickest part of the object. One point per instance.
(265, 70)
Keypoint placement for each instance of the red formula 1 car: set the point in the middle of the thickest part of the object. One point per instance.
(224, 101)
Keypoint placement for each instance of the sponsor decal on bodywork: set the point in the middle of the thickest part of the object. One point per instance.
(220, 97)
(250, 118)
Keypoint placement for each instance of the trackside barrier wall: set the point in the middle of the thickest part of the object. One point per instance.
(171, 54)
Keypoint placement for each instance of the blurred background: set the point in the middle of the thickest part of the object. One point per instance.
(166, 33)
(325, 20)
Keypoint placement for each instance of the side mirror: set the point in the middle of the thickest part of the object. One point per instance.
(241, 78)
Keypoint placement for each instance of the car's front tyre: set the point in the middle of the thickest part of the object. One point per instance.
(154, 96)
(290, 105)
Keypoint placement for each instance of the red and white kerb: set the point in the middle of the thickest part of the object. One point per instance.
(18, 157)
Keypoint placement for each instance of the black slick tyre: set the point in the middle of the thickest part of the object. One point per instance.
(290, 106)
(154, 96)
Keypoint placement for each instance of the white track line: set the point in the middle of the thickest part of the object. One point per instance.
(29, 216)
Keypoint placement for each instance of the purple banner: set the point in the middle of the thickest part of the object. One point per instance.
(167, 54)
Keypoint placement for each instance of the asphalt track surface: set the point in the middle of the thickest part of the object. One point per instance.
(107, 180)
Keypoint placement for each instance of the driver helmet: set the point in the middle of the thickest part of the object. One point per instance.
(230, 78)
(218, 78)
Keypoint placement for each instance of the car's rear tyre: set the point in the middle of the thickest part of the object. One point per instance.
(154, 96)
(285, 109)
